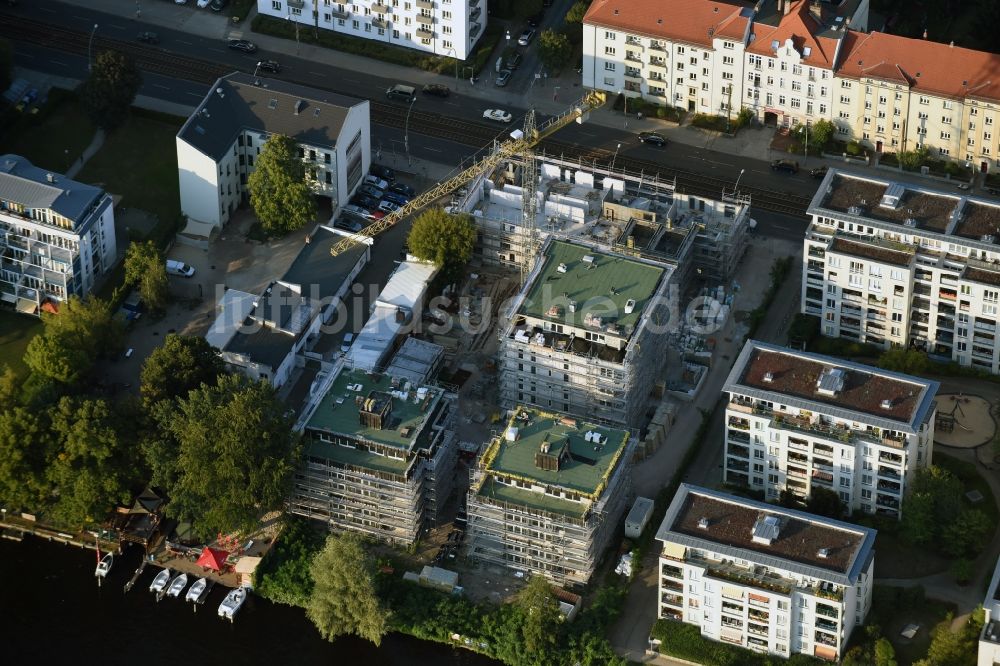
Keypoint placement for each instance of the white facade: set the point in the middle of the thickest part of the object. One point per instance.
(57, 236)
(891, 263)
(442, 27)
(989, 639)
(797, 421)
(763, 577)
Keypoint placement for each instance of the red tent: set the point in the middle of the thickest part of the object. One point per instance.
(212, 558)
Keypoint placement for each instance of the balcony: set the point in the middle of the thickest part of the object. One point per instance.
(739, 424)
(425, 20)
(474, 29)
(850, 310)
(474, 14)
(672, 585)
(657, 62)
(796, 471)
(785, 422)
(634, 74)
(822, 478)
(381, 8)
(888, 472)
(891, 458)
(380, 22)
(827, 611)
(339, 14)
(796, 457)
(737, 465)
(796, 443)
(947, 294)
(826, 625)
(737, 436)
(821, 463)
(759, 615)
(886, 501)
(890, 487)
(672, 571)
(633, 57)
(738, 451)
(850, 322)
(672, 600)
(757, 629)
(425, 4)
(738, 405)
(426, 33)
(823, 639)
(733, 574)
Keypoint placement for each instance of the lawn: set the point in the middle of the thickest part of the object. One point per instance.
(16, 331)
(898, 559)
(971, 479)
(928, 614)
(139, 163)
(55, 137)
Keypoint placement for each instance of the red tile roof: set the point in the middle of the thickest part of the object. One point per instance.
(691, 21)
(799, 26)
(928, 67)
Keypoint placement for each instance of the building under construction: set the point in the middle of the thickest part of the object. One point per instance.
(380, 457)
(548, 494)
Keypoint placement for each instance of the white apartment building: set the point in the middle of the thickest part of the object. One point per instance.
(799, 421)
(989, 639)
(894, 263)
(218, 144)
(760, 576)
(57, 236)
(443, 27)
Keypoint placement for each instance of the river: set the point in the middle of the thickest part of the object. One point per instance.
(51, 611)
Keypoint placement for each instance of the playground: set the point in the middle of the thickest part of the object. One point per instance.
(963, 421)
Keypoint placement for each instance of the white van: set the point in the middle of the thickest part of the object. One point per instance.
(179, 268)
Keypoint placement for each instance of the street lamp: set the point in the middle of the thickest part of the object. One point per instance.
(90, 45)
(406, 132)
(614, 158)
(736, 189)
(625, 97)
(455, 55)
(805, 157)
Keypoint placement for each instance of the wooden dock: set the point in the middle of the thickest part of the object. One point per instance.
(138, 572)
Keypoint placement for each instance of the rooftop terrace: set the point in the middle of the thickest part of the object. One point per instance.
(870, 248)
(978, 220)
(583, 466)
(340, 411)
(612, 287)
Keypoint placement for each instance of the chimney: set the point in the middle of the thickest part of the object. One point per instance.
(51, 177)
(952, 44)
(298, 106)
(925, 33)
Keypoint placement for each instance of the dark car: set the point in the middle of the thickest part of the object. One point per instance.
(269, 66)
(396, 198)
(536, 20)
(653, 139)
(372, 191)
(436, 90)
(383, 172)
(365, 201)
(149, 37)
(513, 60)
(403, 189)
(818, 172)
(218, 5)
(348, 224)
(785, 166)
(242, 45)
(503, 77)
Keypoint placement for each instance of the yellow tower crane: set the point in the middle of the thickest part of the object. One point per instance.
(519, 142)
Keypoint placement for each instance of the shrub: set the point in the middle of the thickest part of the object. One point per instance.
(744, 118)
(705, 121)
(855, 149)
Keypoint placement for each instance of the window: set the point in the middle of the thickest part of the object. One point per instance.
(609, 50)
(923, 100)
(608, 35)
(988, 120)
(727, 60)
(609, 66)
(275, 5)
(945, 135)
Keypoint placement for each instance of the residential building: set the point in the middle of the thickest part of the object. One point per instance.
(798, 421)
(57, 237)
(894, 263)
(441, 27)
(548, 495)
(764, 577)
(989, 639)
(271, 335)
(585, 336)
(379, 456)
(219, 143)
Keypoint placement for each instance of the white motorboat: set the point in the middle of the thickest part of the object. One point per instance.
(198, 589)
(160, 582)
(104, 566)
(231, 604)
(177, 585)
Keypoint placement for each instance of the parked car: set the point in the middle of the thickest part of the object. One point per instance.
(396, 198)
(269, 66)
(202, 4)
(436, 90)
(364, 201)
(388, 206)
(401, 93)
(347, 224)
(375, 181)
(818, 172)
(995, 191)
(653, 139)
(148, 37)
(964, 186)
(383, 172)
(404, 189)
(345, 344)
(372, 191)
(526, 37)
(218, 5)
(513, 60)
(503, 77)
(785, 166)
(498, 115)
(175, 267)
(242, 45)
(357, 211)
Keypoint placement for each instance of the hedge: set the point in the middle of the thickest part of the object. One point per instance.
(684, 641)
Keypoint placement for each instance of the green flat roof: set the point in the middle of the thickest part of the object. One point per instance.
(583, 281)
(360, 457)
(540, 501)
(339, 414)
(583, 470)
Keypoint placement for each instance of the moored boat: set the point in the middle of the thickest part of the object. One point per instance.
(104, 566)
(231, 604)
(160, 582)
(177, 585)
(198, 589)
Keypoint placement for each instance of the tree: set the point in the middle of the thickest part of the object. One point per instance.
(885, 654)
(180, 364)
(343, 599)
(909, 361)
(442, 238)
(8, 385)
(951, 648)
(284, 576)
(109, 91)
(966, 535)
(280, 196)
(540, 617)
(917, 525)
(93, 465)
(911, 160)
(577, 12)
(554, 50)
(145, 269)
(25, 449)
(235, 454)
(824, 502)
(71, 341)
(934, 501)
(821, 132)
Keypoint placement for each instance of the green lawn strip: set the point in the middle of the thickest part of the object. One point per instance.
(55, 137)
(897, 559)
(909, 607)
(971, 479)
(16, 331)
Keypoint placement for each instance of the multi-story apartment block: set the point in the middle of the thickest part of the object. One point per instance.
(989, 639)
(57, 236)
(893, 263)
(548, 494)
(585, 335)
(771, 579)
(217, 146)
(379, 457)
(798, 421)
(443, 27)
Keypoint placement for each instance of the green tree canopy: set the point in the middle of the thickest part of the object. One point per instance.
(280, 196)
(577, 12)
(343, 599)
(885, 654)
(967, 534)
(72, 341)
(824, 502)
(822, 131)
(109, 91)
(180, 364)
(25, 449)
(910, 361)
(285, 576)
(554, 50)
(235, 454)
(445, 239)
(145, 269)
(934, 501)
(541, 617)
